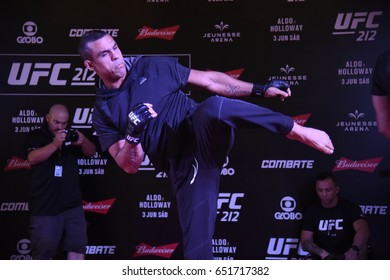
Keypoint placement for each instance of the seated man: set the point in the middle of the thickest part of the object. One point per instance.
(334, 228)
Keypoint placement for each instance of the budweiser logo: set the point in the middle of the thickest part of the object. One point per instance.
(163, 33)
(301, 119)
(235, 73)
(367, 165)
(17, 163)
(100, 207)
(164, 251)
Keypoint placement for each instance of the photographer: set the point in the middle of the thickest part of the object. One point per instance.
(56, 213)
(333, 228)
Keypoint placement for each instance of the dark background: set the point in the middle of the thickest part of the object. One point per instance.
(260, 208)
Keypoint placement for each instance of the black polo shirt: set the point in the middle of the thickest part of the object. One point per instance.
(167, 139)
(51, 194)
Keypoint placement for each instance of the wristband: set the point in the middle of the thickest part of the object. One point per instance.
(132, 139)
(258, 90)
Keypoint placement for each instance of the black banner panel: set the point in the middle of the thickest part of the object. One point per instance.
(326, 50)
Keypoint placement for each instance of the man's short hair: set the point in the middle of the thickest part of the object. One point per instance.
(89, 36)
(326, 175)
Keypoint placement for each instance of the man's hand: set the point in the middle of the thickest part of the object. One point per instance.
(312, 137)
(352, 254)
(282, 85)
(59, 138)
(138, 119)
(272, 89)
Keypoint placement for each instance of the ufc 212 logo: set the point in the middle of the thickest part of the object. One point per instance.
(364, 24)
(147, 165)
(32, 73)
(82, 118)
(229, 206)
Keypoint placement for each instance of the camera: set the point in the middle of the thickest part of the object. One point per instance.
(71, 135)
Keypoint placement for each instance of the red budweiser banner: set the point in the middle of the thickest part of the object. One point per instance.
(164, 251)
(166, 33)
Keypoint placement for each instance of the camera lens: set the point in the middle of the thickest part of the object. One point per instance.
(72, 135)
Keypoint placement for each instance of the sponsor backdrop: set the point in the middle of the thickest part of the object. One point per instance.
(325, 49)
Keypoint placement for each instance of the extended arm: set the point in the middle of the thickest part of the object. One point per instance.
(225, 85)
(382, 111)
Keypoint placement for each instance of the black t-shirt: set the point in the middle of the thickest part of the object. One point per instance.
(332, 227)
(167, 139)
(51, 195)
(381, 76)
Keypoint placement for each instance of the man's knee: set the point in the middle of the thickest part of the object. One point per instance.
(211, 107)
